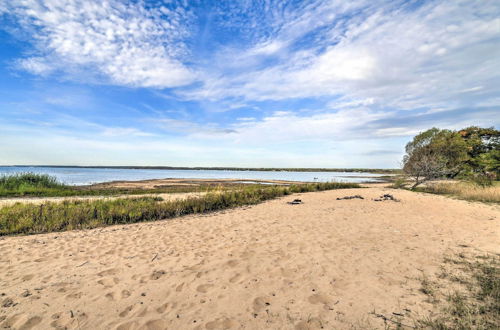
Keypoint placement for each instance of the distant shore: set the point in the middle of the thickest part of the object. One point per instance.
(267, 169)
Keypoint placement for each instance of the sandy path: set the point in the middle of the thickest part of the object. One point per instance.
(324, 263)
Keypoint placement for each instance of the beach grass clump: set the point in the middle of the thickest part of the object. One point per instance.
(466, 190)
(28, 183)
(27, 218)
(475, 301)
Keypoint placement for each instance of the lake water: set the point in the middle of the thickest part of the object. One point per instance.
(84, 176)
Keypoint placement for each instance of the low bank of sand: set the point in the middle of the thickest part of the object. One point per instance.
(324, 263)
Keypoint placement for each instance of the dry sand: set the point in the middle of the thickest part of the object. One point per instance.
(325, 263)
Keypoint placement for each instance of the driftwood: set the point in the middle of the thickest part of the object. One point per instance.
(350, 197)
(386, 197)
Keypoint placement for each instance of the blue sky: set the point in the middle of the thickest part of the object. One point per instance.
(241, 83)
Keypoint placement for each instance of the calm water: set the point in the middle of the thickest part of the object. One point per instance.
(84, 176)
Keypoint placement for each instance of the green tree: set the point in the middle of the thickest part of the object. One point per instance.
(434, 154)
(471, 153)
(483, 149)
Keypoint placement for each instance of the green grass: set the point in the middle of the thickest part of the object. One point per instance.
(26, 218)
(25, 183)
(475, 304)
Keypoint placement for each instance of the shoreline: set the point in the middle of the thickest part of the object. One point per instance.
(215, 168)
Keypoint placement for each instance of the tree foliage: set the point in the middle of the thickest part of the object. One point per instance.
(473, 152)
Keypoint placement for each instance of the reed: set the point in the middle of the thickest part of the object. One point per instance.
(26, 218)
(466, 190)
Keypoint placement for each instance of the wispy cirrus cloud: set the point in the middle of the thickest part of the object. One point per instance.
(105, 41)
(350, 124)
(190, 127)
(397, 54)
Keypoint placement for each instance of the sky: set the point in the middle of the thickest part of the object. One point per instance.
(245, 83)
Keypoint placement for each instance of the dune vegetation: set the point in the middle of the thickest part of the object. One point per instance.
(465, 190)
(474, 301)
(26, 218)
(29, 183)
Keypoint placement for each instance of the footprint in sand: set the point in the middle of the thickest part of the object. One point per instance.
(156, 325)
(126, 311)
(204, 288)
(27, 277)
(10, 321)
(313, 323)
(74, 295)
(224, 323)
(128, 326)
(108, 272)
(232, 263)
(107, 283)
(141, 312)
(21, 321)
(179, 287)
(260, 303)
(125, 294)
(316, 299)
(31, 323)
(166, 306)
(68, 319)
(157, 274)
(235, 278)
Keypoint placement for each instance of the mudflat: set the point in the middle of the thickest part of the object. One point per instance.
(325, 263)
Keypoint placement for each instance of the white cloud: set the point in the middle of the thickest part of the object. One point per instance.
(124, 44)
(36, 65)
(123, 131)
(189, 127)
(285, 127)
(398, 55)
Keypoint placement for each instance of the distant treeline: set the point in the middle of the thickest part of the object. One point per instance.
(267, 169)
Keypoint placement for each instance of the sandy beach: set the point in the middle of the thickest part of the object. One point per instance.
(326, 263)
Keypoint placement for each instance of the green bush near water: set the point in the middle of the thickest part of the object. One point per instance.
(26, 218)
(28, 183)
